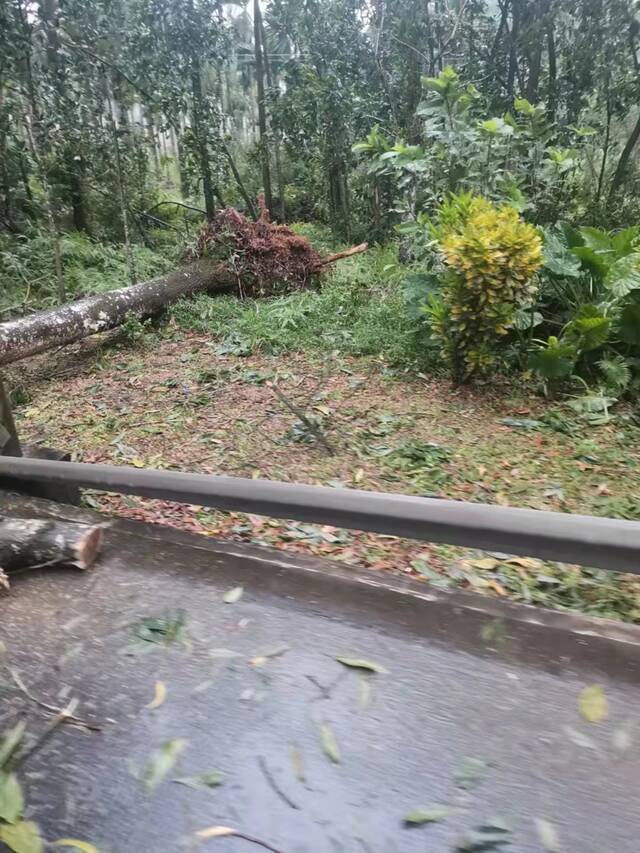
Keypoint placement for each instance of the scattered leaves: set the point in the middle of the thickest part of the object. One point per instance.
(593, 704)
(233, 595)
(329, 743)
(431, 814)
(161, 762)
(159, 696)
(360, 663)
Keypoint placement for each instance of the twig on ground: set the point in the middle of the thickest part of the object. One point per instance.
(310, 425)
(61, 717)
(268, 775)
(52, 709)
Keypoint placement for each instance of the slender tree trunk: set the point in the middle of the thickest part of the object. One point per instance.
(199, 131)
(605, 152)
(552, 99)
(623, 163)
(122, 195)
(262, 112)
(276, 139)
(236, 174)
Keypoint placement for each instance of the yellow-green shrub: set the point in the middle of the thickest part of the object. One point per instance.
(491, 257)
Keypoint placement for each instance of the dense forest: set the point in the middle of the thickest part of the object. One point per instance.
(449, 128)
(485, 347)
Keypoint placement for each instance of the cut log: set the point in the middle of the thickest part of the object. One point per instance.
(36, 542)
(68, 323)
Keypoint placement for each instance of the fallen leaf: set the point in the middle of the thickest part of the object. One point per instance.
(161, 762)
(233, 595)
(593, 704)
(603, 489)
(298, 764)
(10, 741)
(329, 743)
(75, 844)
(214, 832)
(159, 696)
(358, 475)
(212, 779)
(525, 562)
(471, 773)
(11, 798)
(431, 814)
(548, 835)
(137, 462)
(497, 587)
(22, 837)
(489, 836)
(360, 663)
(486, 563)
(260, 660)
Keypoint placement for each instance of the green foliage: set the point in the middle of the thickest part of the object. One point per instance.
(360, 309)
(553, 359)
(491, 257)
(88, 267)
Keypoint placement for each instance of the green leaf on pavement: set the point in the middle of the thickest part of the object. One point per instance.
(22, 837)
(593, 704)
(471, 773)
(431, 814)
(360, 663)
(233, 595)
(11, 798)
(201, 780)
(161, 762)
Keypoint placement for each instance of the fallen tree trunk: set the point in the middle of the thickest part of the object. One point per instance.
(35, 542)
(76, 320)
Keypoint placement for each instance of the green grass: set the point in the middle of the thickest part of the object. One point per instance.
(359, 309)
(27, 267)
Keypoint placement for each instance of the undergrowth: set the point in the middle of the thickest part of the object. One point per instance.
(27, 279)
(359, 309)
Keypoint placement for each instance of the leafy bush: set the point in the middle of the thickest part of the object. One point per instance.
(491, 257)
(591, 289)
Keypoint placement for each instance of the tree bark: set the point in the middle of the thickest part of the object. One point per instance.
(262, 113)
(59, 326)
(201, 140)
(623, 162)
(35, 542)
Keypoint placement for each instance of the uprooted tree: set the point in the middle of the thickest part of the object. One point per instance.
(231, 254)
